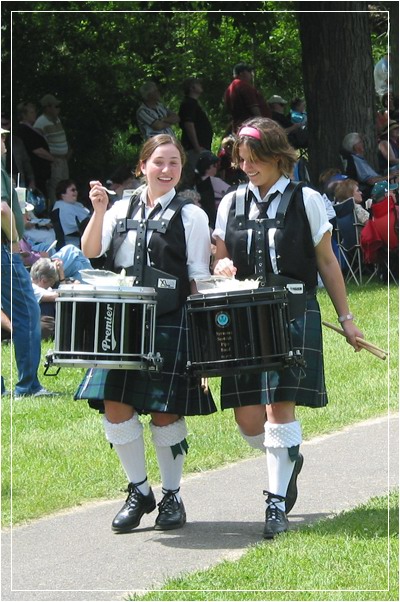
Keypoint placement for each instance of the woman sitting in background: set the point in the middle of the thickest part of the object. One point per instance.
(347, 189)
(68, 214)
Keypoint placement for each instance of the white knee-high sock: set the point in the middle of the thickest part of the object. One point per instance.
(255, 441)
(171, 468)
(127, 440)
(278, 439)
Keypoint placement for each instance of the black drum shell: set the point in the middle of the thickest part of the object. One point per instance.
(239, 331)
(109, 326)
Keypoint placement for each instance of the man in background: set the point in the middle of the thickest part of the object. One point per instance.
(50, 126)
(153, 117)
(196, 128)
(242, 99)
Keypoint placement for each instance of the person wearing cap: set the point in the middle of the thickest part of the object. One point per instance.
(196, 128)
(17, 298)
(49, 124)
(153, 117)
(242, 100)
(271, 231)
(277, 105)
(388, 147)
(382, 190)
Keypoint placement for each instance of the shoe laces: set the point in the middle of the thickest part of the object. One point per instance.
(134, 493)
(273, 511)
(169, 502)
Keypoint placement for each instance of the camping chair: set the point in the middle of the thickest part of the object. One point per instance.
(383, 238)
(349, 248)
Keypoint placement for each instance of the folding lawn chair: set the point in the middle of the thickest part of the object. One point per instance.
(347, 232)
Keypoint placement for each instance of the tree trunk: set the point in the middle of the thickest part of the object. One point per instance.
(338, 79)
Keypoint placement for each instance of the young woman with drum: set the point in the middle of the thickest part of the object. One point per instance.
(181, 253)
(298, 247)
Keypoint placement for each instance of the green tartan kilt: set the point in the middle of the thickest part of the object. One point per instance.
(303, 385)
(171, 391)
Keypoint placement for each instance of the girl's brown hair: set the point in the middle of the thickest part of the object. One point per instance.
(344, 190)
(152, 144)
(273, 142)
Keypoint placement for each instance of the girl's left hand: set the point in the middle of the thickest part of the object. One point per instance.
(351, 331)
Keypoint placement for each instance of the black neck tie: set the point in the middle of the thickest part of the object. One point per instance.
(263, 263)
(140, 258)
(264, 206)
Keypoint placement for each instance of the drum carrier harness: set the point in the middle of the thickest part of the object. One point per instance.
(166, 285)
(260, 227)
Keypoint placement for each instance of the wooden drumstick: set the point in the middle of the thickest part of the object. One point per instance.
(377, 351)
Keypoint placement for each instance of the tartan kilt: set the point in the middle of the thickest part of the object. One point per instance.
(303, 385)
(170, 391)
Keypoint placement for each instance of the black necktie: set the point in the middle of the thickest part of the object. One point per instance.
(263, 263)
(264, 206)
(140, 259)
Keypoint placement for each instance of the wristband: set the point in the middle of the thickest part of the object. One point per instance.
(342, 319)
(62, 280)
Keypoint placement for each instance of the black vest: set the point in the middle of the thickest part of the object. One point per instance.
(167, 248)
(295, 253)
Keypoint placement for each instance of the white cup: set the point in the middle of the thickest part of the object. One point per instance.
(21, 193)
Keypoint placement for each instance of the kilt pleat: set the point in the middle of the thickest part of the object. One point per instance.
(170, 391)
(304, 385)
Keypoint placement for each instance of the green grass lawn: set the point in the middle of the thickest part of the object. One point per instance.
(54, 454)
(353, 556)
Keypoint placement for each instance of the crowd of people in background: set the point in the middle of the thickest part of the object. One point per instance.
(38, 152)
(49, 236)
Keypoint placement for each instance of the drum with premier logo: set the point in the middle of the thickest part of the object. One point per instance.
(106, 327)
(240, 331)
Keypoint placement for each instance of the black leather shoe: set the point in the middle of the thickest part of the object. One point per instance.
(275, 518)
(171, 512)
(135, 506)
(291, 493)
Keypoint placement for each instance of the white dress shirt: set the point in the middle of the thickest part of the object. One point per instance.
(313, 204)
(197, 234)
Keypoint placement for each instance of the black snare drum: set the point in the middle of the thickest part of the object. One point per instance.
(106, 327)
(239, 331)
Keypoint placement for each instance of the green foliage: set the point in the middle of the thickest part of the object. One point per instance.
(95, 56)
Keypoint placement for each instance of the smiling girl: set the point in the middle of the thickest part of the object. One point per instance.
(264, 404)
(182, 254)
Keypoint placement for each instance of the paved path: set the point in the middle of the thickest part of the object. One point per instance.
(74, 555)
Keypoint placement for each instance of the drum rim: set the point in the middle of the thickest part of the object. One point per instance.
(264, 291)
(78, 290)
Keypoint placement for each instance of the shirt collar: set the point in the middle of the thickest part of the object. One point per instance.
(162, 200)
(280, 186)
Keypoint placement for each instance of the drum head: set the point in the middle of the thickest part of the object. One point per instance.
(106, 278)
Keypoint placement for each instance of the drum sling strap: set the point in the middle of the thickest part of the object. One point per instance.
(260, 227)
(166, 285)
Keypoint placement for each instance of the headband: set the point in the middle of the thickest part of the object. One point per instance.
(250, 131)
